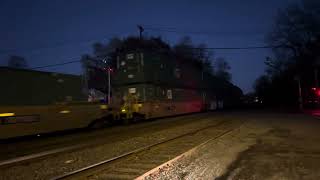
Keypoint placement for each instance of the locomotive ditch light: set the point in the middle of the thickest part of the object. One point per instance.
(6, 114)
(64, 111)
(103, 106)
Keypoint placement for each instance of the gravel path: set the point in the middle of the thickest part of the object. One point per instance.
(269, 146)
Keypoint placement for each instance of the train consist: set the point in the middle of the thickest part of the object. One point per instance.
(156, 85)
(144, 85)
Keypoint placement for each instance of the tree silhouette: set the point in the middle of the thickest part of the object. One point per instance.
(222, 69)
(17, 62)
(297, 30)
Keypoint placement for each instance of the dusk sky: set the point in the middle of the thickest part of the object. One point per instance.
(50, 32)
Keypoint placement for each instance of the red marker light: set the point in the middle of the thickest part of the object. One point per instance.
(314, 89)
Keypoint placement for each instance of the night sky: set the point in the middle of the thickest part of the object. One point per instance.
(49, 32)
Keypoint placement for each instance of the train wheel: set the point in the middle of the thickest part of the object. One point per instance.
(97, 124)
(101, 123)
(138, 117)
(127, 121)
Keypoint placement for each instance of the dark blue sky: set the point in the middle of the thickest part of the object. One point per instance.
(49, 32)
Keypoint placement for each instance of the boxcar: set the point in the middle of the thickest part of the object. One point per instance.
(35, 102)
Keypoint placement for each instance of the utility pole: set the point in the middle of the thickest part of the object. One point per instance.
(316, 77)
(109, 78)
(141, 29)
(109, 85)
(297, 78)
(316, 66)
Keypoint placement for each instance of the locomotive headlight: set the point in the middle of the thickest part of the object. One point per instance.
(103, 106)
(6, 114)
(65, 112)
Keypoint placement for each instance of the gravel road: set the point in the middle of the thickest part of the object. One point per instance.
(269, 146)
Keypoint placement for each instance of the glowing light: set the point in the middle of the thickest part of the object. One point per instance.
(123, 110)
(314, 88)
(64, 111)
(6, 114)
(103, 106)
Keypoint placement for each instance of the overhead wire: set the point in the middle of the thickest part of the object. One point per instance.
(56, 45)
(53, 65)
(210, 48)
(176, 30)
(155, 29)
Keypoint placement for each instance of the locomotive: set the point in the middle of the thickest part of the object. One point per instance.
(144, 85)
(154, 85)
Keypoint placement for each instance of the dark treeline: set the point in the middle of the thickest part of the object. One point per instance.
(297, 31)
(17, 62)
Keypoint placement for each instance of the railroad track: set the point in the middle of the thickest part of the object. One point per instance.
(139, 161)
(47, 153)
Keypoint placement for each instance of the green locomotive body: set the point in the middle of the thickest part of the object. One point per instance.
(161, 85)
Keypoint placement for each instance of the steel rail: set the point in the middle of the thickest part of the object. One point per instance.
(104, 162)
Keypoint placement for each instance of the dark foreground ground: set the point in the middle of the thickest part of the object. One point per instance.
(268, 146)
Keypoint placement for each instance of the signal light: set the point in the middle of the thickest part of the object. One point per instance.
(316, 91)
(108, 69)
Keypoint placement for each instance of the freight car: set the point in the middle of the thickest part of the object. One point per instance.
(35, 102)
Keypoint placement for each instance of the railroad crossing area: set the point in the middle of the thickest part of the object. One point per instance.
(217, 145)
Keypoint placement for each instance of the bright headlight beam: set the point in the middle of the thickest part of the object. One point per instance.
(6, 114)
(64, 112)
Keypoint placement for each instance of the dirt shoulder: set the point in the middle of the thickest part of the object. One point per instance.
(269, 146)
